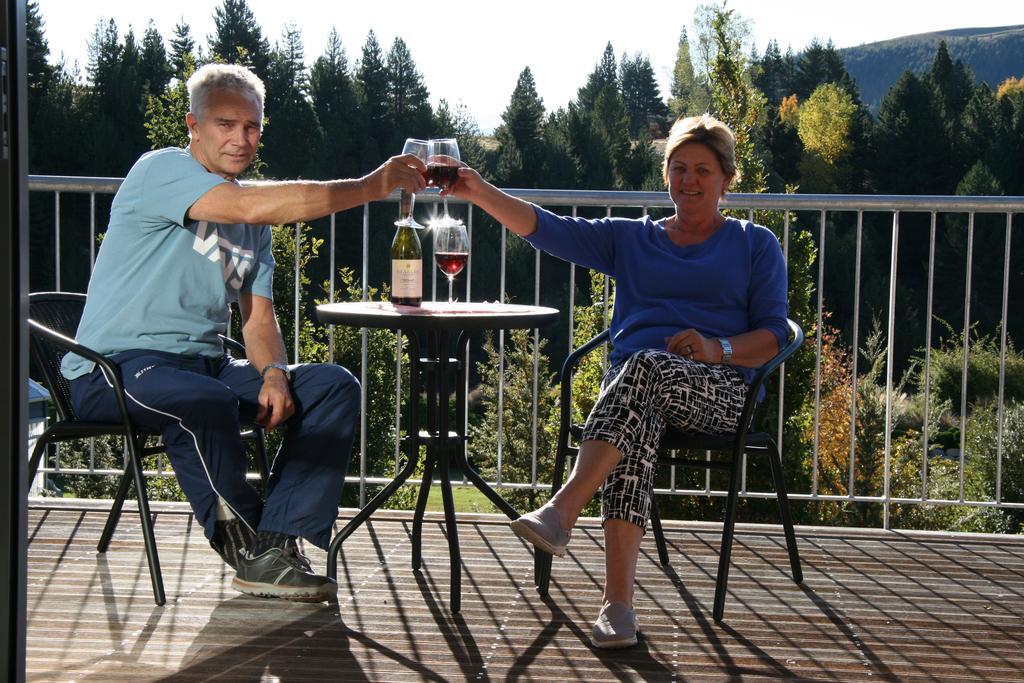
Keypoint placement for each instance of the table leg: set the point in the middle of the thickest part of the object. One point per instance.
(412, 455)
(443, 444)
(364, 514)
(417, 518)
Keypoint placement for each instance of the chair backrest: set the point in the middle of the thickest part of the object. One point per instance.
(60, 312)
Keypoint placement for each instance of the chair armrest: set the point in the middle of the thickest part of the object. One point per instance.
(110, 369)
(750, 405)
(569, 366)
(232, 344)
(565, 396)
(576, 356)
(784, 353)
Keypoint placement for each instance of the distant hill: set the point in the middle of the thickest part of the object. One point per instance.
(992, 54)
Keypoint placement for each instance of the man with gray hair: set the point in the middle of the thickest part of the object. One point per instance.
(185, 241)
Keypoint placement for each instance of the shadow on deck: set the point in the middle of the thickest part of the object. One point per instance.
(874, 605)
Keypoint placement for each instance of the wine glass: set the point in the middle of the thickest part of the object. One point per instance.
(451, 248)
(443, 166)
(420, 148)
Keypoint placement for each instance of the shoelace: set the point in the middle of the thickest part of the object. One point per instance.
(295, 558)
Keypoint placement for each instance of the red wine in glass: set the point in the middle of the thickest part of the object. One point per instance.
(451, 248)
(451, 263)
(441, 176)
(443, 166)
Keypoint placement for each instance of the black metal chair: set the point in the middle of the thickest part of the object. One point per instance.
(53, 322)
(743, 441)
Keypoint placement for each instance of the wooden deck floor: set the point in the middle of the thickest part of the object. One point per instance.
(873, 606)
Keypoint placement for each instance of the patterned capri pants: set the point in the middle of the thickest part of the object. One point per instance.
(639, 398)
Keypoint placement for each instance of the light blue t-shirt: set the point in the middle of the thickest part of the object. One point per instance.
(163, 282)
(732, 282)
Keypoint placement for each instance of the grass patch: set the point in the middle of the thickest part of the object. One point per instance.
(467, 499)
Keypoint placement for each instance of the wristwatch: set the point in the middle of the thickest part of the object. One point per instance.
(280, 366)
(726, 350)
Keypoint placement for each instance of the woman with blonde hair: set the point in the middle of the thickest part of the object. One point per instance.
(700, 303)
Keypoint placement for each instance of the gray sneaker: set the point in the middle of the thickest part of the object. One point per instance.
(543, 528)
(616, 627)
(282, 573)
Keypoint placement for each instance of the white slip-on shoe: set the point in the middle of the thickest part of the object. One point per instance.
(616, 627)
(543, 528)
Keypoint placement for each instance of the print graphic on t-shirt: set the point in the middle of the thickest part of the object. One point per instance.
(235, 261)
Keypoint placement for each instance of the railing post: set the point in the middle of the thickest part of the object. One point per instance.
(889, 362)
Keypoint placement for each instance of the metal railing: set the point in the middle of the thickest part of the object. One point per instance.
(825, 208)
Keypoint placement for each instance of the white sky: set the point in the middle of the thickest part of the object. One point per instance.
(474, 51)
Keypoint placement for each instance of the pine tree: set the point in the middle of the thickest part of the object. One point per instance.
(907, 141)
(641, 169)
(38, 74)
(1011, 105)
(559, 169)
(408, 97)
(238, 38)
(641, 95)
(519, 135)
(736, 102)
(610, 122)
(53, 108)
(154, 68)
(979, 181)
(598, 126)
(104, 50)
(127, 108)
(337, 108)
(182, 49)
(289, 111)
(952, 84)
(115, 103)
(604, 76)
(689, 95)
(819, 64)
(372, 77)
(594, 163)
(774, 74)
(38, 70)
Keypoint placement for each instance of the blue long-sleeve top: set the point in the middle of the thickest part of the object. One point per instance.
(732, 282)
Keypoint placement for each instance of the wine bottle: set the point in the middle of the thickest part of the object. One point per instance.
(406, 267)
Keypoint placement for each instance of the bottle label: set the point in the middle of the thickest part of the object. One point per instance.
(407, 278)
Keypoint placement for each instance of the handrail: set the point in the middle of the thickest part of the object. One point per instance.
(626, 198)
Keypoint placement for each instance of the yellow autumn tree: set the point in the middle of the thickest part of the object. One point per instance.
(825, 122)
(1009, 86)
(789, 110)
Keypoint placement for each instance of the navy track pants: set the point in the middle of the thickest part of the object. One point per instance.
(197, 405)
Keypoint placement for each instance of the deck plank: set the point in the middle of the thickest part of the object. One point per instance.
(874, 605)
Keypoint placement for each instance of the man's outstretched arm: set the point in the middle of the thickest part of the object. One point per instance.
(287, 202)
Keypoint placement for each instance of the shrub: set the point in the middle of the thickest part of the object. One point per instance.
(983, 362)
